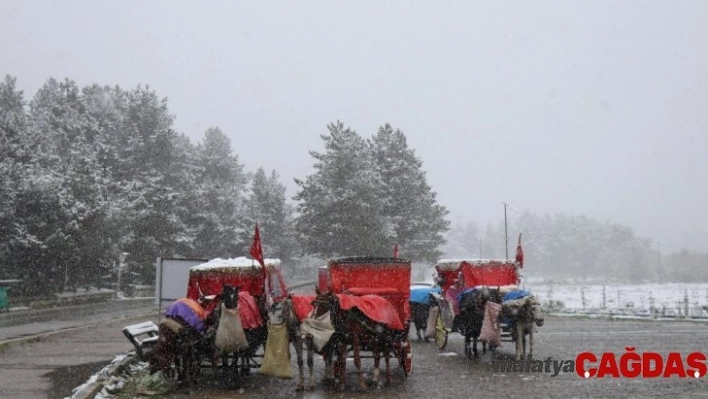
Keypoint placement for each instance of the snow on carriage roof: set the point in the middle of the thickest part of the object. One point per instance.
(240, 262)
(455, 263)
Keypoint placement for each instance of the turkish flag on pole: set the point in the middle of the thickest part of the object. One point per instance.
(257, 254)
(520, 253)
(256, 249)
(395, 251)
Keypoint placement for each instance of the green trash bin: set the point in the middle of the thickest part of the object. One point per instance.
(4, 302)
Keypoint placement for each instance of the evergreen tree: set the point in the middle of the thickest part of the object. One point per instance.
(416, 221)
(150, 180)
(340, 211)
(13, 156)
(266, 205)
(219, 228)
(64, 136)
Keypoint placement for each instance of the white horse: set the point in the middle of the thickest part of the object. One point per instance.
(525, 314)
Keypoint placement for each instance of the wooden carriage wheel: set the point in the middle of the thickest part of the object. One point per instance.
(440, 332)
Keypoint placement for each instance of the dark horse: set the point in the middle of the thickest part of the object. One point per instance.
(362, 333)
(180, 336)
(472, 315)
(324, 303)
(229, 340)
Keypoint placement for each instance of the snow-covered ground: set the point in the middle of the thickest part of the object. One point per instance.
(660, 300)
(669, 300)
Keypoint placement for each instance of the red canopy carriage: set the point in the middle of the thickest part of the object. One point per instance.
(387, 278)
(208, 278)
(472, 273)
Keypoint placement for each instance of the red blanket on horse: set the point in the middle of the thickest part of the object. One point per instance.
(302, 305)
(374, 307)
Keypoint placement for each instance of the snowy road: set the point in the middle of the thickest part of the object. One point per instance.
(25, 323)
(449, 374)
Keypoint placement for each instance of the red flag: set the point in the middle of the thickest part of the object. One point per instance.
(395, 251)
(256, 249)
(520, 253)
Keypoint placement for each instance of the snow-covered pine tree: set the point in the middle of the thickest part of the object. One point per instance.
(340, 210)
(266, 205)
(151, 181)
(13, 156)
(219, 225)
(415, 220)
(64, 137)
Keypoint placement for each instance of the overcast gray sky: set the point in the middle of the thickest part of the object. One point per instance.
(583, 107)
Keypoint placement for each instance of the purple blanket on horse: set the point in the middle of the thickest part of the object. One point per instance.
(186, 312)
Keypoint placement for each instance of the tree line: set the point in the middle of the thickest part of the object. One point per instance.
(562, 246)
(88, 174)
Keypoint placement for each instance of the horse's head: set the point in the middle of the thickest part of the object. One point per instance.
(229, 296)
(485, 294)
(537, 313)
(324, 302)
(282, 312)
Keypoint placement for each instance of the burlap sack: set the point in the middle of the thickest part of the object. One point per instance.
(320, 328)
(276, 359)
(229, 335)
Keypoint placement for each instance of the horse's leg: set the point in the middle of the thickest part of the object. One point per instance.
(188, 364)
(310, 362)
(468, 347)
(297, 343)
(342, 360)
(357, 359)
(328, 353)
(474, 346)
(377, 361)
(387, 358)
(531, 340)
(225, 374)
(519, 334)
(179, 367)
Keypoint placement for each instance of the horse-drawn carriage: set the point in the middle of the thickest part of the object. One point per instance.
(456, 276)
(207, 280)
(358, 279)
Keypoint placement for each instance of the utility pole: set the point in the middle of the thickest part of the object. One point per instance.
(506, 233)
(122, 257)
(506, 228)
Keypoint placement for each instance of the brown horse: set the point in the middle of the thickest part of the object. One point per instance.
(324, 332)
(357, 330)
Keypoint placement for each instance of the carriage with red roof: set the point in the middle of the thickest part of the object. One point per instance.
(456, 275)
(387, 278)
(206, 281)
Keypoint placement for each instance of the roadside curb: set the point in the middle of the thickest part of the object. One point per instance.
(90, 390)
